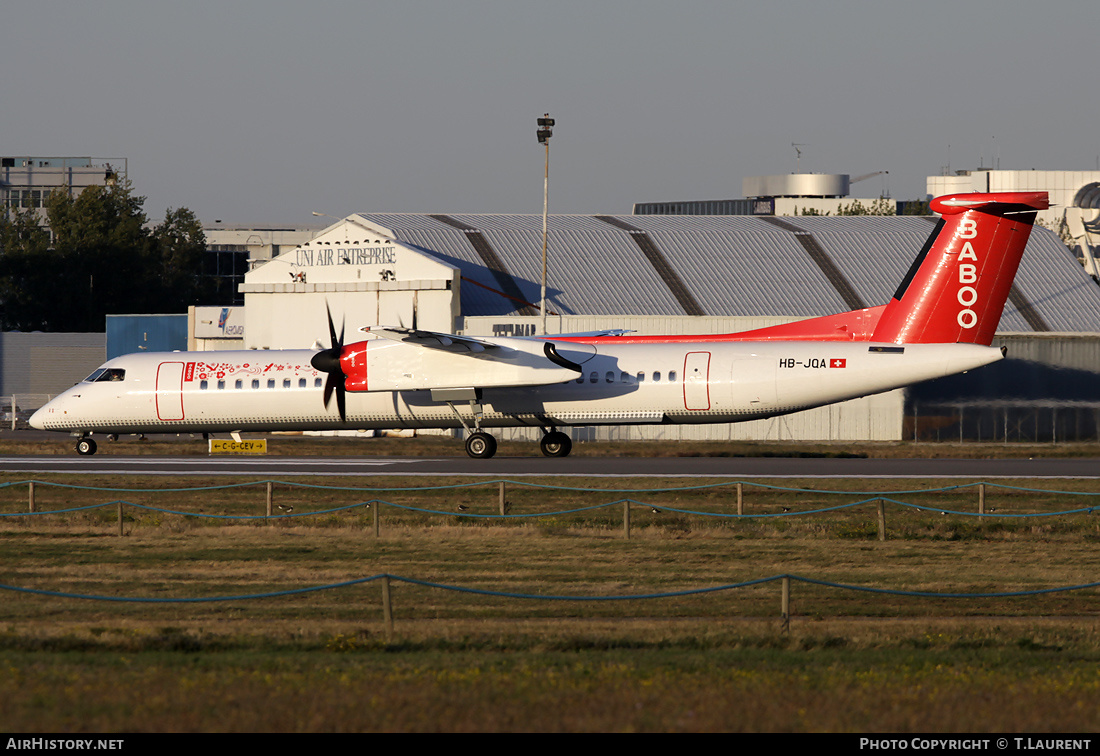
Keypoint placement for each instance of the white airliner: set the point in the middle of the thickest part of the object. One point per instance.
(940, 321)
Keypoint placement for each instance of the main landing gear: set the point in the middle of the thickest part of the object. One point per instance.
(480, 445)
(556, 444)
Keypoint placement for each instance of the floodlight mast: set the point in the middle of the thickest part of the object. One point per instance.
(546, 130)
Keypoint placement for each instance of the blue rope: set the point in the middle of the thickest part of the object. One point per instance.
(556, 513)
(542, 597)
(670, 489)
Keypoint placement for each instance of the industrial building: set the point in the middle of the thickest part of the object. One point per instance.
(26, 182)
(787, 194)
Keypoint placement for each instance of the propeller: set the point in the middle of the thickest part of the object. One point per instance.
(328, 361)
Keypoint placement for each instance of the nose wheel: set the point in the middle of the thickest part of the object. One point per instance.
(85, 446)
(480, 445)
(556, 444)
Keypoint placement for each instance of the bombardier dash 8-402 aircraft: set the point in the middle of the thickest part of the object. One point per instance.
(940, 321)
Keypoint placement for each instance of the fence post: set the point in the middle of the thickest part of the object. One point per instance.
(374, 510)
(30, 497)
(981, 501)
(387, 608)
(785, 603)
(626, 519)
(881, 520)
(740, 498)
(120, 519)
(270, 501)
(503, 502)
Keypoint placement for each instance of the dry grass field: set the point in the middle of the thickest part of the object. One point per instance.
(847, 661)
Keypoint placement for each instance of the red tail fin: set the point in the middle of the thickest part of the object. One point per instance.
(957, 287)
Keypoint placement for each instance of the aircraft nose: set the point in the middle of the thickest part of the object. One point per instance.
(37, 418)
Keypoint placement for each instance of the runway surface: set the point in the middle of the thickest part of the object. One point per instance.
(510, 467)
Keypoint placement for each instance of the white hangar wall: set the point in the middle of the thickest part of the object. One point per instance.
(361, 274)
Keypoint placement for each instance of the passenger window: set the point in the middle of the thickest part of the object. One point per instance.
(271, 383)
(657, 376)
(286, 383)
(624, 378)
(316, 383)
(593, 377)
(610, 377)
(255, 383)
(672, 376)
(301, 383)
(203, 385)
(641, 377)
(221, 385)
(238, 385)
(581, 379)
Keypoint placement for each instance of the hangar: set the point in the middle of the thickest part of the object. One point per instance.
(480, 275)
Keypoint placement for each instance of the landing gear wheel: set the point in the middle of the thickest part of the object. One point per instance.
(556, 444)
(481, 445)
(85, 446)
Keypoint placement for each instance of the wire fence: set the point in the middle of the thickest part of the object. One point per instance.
(504, 511)
(385, 579)
(1080, 503)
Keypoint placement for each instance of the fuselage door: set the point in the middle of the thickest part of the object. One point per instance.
(170, 391)
(697, 381)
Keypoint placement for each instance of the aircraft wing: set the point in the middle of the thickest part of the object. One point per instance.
(405, 359)
(585, 334)
(430, 339)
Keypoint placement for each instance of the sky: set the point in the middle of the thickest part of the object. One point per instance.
(263, 111)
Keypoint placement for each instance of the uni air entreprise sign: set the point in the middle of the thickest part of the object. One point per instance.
(345, 256)
(229, 446)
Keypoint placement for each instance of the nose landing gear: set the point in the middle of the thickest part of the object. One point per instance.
(86, 446)
(480, 445)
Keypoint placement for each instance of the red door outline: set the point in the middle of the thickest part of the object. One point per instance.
(697, 381)
(170, 391)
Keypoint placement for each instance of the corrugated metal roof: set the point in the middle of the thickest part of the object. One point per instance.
(731, 265)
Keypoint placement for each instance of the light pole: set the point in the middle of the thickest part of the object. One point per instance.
(546, 130)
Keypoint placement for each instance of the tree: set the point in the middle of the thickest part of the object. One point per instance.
(105, 252)
(881, 206)
(916, 207)
(103, 259)
(179, 247)
(28, 266)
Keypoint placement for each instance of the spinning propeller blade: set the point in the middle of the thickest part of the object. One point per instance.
(328, 361)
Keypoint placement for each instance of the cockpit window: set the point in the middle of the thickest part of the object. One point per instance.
(106, 374)
(113, 375)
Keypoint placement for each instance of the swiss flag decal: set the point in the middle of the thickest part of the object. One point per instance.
(838, 363)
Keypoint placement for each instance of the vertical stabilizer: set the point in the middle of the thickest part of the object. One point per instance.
(956, 289)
